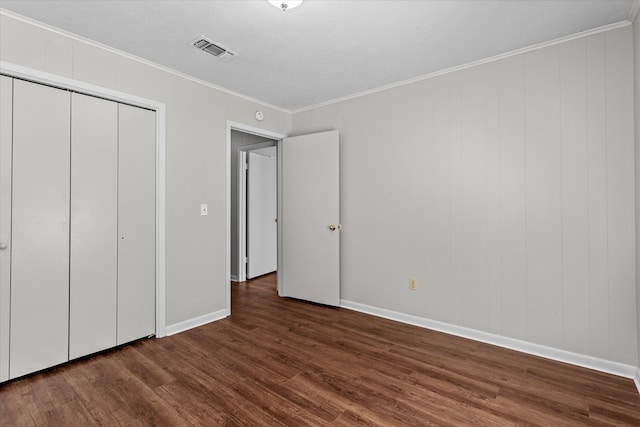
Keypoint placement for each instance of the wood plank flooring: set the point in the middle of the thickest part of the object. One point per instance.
(281, 362)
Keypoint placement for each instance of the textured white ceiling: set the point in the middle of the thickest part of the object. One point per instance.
(323, 49)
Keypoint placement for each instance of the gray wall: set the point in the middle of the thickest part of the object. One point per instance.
(238, 139)
(506, 189)
(196, 256)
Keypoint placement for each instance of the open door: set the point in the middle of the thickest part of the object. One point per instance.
(309, 266)
(262, 229)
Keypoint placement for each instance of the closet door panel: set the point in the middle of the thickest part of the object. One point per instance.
(40, 228)
(136, 223)
(6, 123)
(94, 225)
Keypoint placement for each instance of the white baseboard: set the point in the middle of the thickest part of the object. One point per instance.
(234, 278)
(602, 365)
(195, 322)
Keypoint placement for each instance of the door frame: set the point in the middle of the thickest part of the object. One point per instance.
(240, 127)
(37, 76)
(242, 204)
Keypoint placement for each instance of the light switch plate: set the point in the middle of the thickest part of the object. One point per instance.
(204, 209)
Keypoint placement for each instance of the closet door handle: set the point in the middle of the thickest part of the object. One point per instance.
(3, 246)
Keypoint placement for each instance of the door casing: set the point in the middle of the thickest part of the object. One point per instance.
(240, 127)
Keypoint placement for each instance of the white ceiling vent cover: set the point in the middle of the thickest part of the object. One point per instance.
(215, 49)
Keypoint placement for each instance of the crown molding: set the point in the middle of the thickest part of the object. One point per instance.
(632, 15)
(76, 37)
(531, 48)
(635, 7)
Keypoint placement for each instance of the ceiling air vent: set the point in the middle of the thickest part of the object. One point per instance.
(214, 48)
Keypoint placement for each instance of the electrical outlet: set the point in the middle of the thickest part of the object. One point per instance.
(204, 209)
(412, 283)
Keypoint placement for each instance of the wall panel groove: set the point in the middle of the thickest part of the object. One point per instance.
(531, 190)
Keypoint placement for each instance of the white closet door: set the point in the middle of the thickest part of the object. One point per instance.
(40, 240)
(94, 225)
(136, 224)
(6, 123)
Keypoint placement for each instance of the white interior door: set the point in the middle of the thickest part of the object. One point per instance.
(310, 218)
(262, 229)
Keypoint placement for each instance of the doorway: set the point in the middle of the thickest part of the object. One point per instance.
(241, 138)
(308, 214)
(257, 200)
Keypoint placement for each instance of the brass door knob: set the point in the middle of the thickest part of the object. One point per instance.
(332, 227)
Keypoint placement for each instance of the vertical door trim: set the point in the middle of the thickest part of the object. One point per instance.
(37, 76)
(6, 160)
(242, 215)
(240, 127)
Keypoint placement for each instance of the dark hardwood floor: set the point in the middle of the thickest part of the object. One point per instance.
(281, 362)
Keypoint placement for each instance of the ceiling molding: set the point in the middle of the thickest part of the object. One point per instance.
(110, 49)
(553, 42)
(634, 10)
(632, 14)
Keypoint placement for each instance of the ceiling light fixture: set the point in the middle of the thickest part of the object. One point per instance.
(285, 5)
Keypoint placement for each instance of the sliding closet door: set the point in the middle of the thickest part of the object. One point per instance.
(136, 223)
(40, 228)
(94, 225)
(6, 123)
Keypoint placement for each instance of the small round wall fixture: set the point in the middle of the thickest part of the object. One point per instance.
(259, 116)
(285, 5)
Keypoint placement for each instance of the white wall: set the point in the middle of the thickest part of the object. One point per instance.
(196, 152)
(506, 189)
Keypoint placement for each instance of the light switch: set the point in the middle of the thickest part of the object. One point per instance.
(204, 209)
